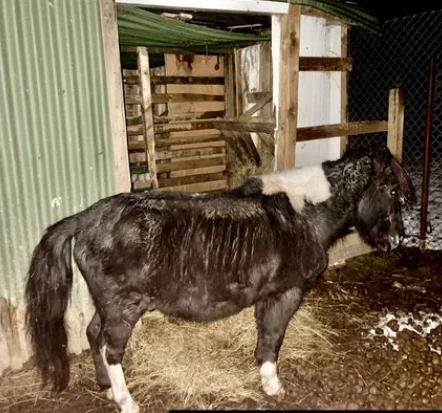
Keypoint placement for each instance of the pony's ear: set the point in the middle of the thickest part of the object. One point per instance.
(382, 159)
(406, 188)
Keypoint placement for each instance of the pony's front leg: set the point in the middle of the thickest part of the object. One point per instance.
(272, 317)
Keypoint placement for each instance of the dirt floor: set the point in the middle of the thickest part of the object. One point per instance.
(385, 313)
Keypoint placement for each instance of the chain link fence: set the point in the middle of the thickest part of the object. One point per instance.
(400, 58)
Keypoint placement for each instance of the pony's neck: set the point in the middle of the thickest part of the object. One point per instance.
(333, 218)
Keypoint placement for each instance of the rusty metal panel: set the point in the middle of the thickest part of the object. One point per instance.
(55, 143)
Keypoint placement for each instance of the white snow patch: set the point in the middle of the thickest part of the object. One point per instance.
(422, 324)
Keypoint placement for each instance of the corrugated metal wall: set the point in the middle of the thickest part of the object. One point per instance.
(55, 143)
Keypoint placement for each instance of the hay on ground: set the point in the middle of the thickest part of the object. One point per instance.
(200, 365)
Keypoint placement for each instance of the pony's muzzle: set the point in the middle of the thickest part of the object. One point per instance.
(395, 241)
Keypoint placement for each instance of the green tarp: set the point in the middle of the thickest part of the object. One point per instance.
(138, 27)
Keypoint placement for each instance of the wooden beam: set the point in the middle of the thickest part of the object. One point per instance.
(255, 97)
(185, 97)
(187, 116)
(244, 126)
(184, 165)
(350, 128)
(166, 142)
(219, 185)
(167, 182)
(137, 130)
(146, 108)
(109, 34)
(306, 133)
(325, 64)
(344, 88)
(229, 85)
(285, 136)
(395, 132)
(259, 105)
(183, 80)
(238, 83)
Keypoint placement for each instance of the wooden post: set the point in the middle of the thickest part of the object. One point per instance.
(238, 83)
(344, 86)
(114, 81)
(395, 132)
(229, 85)
(285, 136)
(146, 108)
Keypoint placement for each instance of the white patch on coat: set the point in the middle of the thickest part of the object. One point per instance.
(269, 379)
(120, 392)
(300, 185)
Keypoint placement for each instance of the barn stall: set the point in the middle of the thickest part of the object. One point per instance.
(12, 338)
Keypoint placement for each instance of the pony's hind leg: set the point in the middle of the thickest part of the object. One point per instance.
(272, 317)
(94, 335)
(116, 335)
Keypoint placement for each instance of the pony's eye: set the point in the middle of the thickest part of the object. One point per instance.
(393, 192)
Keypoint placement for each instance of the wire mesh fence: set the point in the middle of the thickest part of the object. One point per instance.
(400, 58)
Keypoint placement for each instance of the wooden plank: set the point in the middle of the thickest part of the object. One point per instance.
(344, 88)
(134, 130)
(202, 141)
(265, 75)
(199, 171)
(255, 97)
(114, 82)
(146, 104)
(185, 97)
(395, 132)
(259, 105)
(238, 83)
(350, 247)
(132, 100)
(187, 80)
(244, 126)
(325, 64)
(191, 154)
(131, 80)
(229, 85)
(165, 142)
(184, 165)
(285, 136)
(220, 155)
(201, 66)
(211, 144)
(177, 117)
(187, 180)
(350, 128)
(306, 133)
(219, 185)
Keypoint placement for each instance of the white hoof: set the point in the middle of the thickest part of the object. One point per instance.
(273, 387)
(269, 380)
(109, 394)
(130, 408)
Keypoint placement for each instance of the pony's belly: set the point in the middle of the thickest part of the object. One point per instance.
(190, 305)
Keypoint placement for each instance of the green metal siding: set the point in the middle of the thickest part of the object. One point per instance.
(55, 143)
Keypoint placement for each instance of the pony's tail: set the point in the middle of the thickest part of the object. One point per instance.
(47, 294)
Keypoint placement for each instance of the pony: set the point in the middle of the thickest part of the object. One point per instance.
(205, 256)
